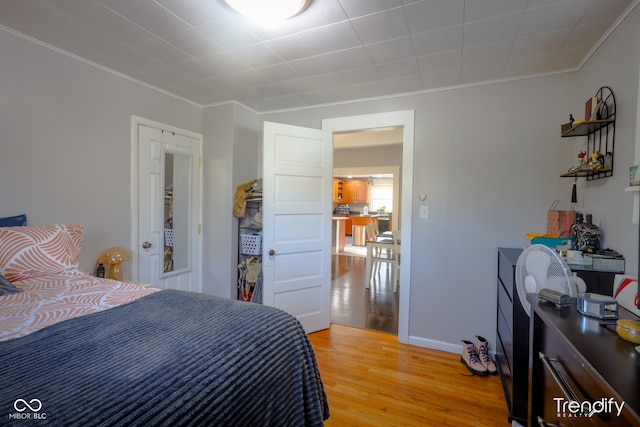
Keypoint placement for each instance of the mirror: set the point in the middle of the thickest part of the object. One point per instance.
(177, 171)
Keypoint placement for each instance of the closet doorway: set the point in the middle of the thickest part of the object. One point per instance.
(166, 206)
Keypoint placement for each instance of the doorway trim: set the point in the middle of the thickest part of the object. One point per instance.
(135, 244)
(406, 120)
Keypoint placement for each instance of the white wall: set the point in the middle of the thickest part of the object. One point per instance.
(487, 157)
(615, 65)
(65, 141)
(230, 159)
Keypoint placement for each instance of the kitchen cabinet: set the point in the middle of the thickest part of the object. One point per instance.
(600, 134)
(339, 191)
(576, 358)
(357, 191)
(350, 191)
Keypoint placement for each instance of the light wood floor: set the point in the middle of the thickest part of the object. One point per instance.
(372, 380)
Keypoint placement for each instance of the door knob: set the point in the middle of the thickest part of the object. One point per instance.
(146, 245)
(272, 252)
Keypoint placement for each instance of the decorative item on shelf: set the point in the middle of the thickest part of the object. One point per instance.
(115, 256)
(582, 158)
(608, 160)
(566, 127)
(582, 163)
(590, 108)
(594, 163)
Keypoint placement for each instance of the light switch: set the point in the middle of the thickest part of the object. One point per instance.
(424, 212)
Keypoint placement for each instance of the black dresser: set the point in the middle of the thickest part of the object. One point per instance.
(574, 358)
(512, 340)
(512, 337)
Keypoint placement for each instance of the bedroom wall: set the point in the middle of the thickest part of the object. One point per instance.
(615, 64)
(66, 141)
(230, 158)
(488, 158)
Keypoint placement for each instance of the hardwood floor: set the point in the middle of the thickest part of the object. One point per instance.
(372, 380)
(354, 305)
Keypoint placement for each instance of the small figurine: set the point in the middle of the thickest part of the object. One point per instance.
(594, 163)
(571, 119)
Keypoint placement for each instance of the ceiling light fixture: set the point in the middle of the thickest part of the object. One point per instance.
(269, 11)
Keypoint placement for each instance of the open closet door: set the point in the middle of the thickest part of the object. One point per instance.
(297, 207)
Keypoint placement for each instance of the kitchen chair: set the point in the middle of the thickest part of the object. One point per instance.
(371, 231)
(385, 251)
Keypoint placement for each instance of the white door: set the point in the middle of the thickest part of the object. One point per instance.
(297, 206)
(169, 176)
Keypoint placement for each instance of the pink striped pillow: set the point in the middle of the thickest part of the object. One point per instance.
(39, 250)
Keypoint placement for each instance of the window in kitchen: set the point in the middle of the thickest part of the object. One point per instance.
(381, 195)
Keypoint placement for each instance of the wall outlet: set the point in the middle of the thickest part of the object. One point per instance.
(424, 212)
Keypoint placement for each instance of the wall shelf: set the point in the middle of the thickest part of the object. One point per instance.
(586, 128)
(600, 135)
(585, 173)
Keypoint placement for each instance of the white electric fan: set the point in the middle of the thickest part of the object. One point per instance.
(540, 267)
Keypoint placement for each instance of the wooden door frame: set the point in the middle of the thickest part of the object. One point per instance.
(406, 119)
(135, 243)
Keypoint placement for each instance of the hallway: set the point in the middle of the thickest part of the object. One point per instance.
(353, 305)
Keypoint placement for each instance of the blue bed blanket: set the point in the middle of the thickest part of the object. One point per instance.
(171, 358)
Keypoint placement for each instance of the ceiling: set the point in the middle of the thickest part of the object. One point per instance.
(335, 51)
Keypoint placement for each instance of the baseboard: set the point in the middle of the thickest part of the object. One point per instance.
(441, 345)
(435, 345)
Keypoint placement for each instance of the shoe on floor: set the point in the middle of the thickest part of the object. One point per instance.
(471, 359)
(482, 348)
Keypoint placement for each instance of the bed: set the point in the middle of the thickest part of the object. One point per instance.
(79, 350)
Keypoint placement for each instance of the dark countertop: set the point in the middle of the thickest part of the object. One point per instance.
(615, 359)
